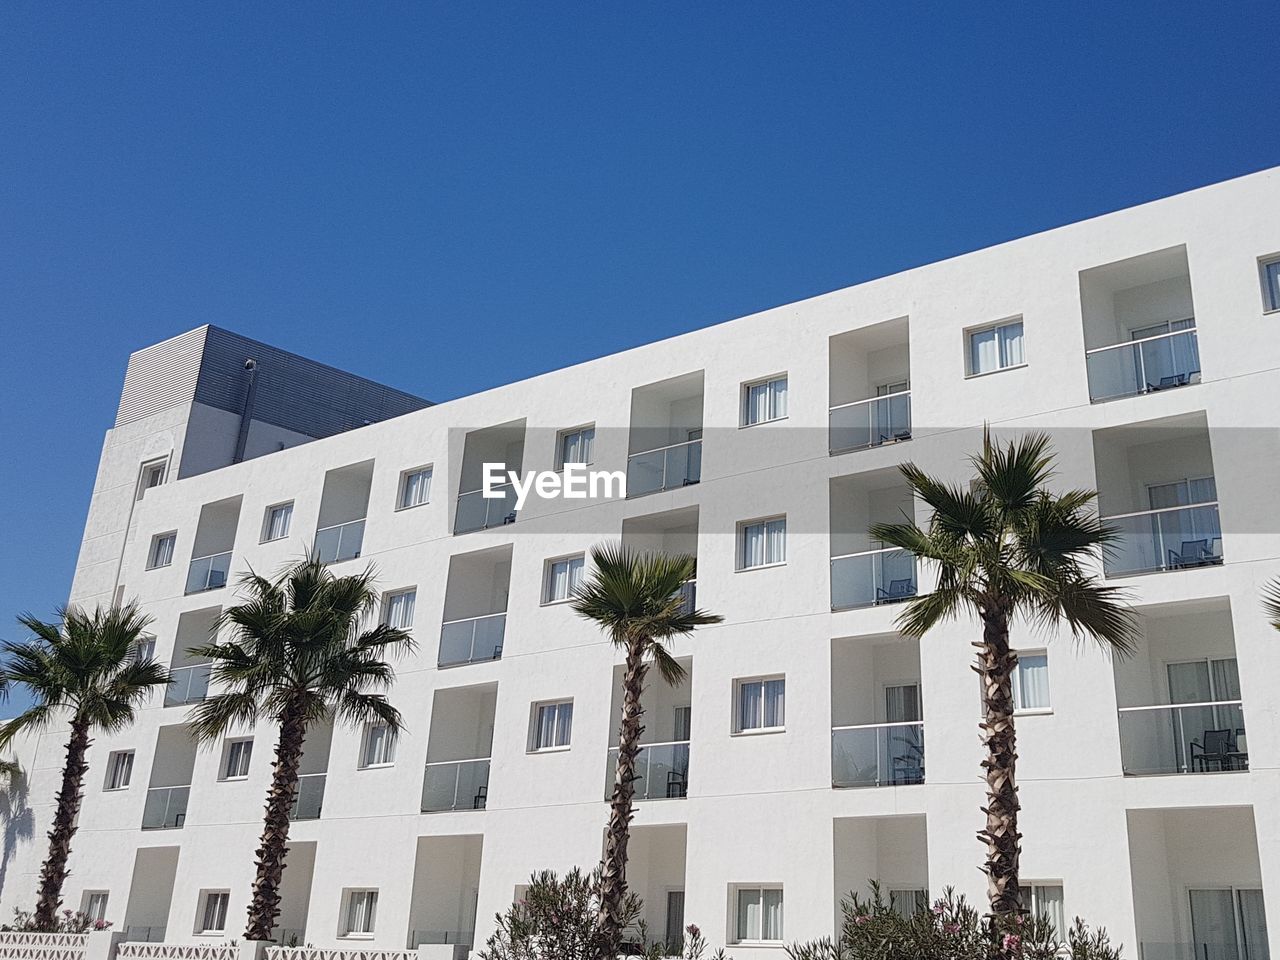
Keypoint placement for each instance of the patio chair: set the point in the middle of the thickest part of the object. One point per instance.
(1173, 380)
(898, 590)
(677, 785)
(1215, 753)
(1192, 553)
(481, 798)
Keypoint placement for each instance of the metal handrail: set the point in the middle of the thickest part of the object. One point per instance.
(1130, 343)
(210, 556)
(1150, 513)
(467, 493)
(871, 726)
(483, 616)
(867, 553)
(669, 446)
(887, 396)
(1168, 706)
(457, 780)
(666, 743)
(344, 523)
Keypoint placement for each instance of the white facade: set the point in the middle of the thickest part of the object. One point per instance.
(742, 795)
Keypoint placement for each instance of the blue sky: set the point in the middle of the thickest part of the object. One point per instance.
(446, 197)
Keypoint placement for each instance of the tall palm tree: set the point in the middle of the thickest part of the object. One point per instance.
(295, 654)
(83, 669)
(636, 600)
(1009, 548)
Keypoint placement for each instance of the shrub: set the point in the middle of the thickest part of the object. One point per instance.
(69, 921)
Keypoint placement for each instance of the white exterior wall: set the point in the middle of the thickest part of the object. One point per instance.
(760, 808)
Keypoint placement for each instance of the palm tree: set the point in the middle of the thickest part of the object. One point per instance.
(295, 654)
(636, 600)
(83, 668)
(1004, 549)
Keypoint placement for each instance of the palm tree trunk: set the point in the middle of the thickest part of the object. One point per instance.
(54, 872)
(264, 907)
(996, 663)
(613, 879)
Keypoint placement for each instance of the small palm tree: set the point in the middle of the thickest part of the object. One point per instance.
(84, 669)
(295, 655)
(1009, 548)
(636, 600)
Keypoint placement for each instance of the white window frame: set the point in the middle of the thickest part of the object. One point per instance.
(735, 932)
(997, 327)
(776, 411)
(93, 904)
(153, 551)
(269, 514)
(207, 900)
(1270, 285)
(402, 488)
(1018, 707)
(738, 728)
(535, 726)
(145, 649)
(564, 435)
(387, 748)
(398, 595)
(232, 746)
(1032, 903)
(114, 760)
(548, 577)
(741, 540)
(368, 922)
(144, 474)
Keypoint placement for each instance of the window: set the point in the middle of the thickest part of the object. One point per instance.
(144, 649)
(379, 748)
(415, 487)
(759, 914)
(362, 910)
(161, 554)
(213, 913)
(235, 759)
(400, 609)
(762, 542)
(576, 446)
(1031, 681)
(909, 901)
(1271, 283)
(1229, 922)
(1045, 900)
(275, 526)
(562, 578)
(119, 769)
(95, 904)
(151, 475)
(995, 348)
(764, 400)
(552, 725)
(761, 704)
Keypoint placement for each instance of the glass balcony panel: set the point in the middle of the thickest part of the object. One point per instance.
(871, 578)
(456, 785)
(666, 468)
(870, 423)
(190, 685)
(310, 799)
(464, 938)
(343, 541)
(137, 934)
(1143, 366)
(208, 573)
(886, 754)
(1183, 738)
(165, 808)
(662, 771)
(475, 511)
(472, 640)
(1172, 539)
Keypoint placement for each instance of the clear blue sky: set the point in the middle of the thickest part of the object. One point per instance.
(446, 197)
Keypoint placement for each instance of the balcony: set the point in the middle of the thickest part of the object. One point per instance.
(309, 802)
(208, 573)
(455, 785)
(166, 808)
(190, 685)
(872, 578)
(1172, 538)
(478, 512)
(1207, 737)
(342, 541)
(870, 423)
(472, 640)
(1146, 365)
(877, 755)
(662, 771)
(664, 468)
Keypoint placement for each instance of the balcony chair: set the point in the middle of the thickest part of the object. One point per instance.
(1219, 748)
(898, 590)
(1192, 553)
(677, 785)
(481, 798)
(509, 518)
(1174, 380)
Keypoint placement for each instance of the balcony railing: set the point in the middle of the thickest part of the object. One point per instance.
(342, 541)
(662, 771)
(1143, 366)
(872, 577)
(465, 938)
(1196, 950)
(1173, 538)
(190, 685)
(208, 573)
(664, 468)
(455, 785)
(133, 933)
(289, 936)
(166, 808)
(1206, 737)
(478, 512)
(870, 423)
(877, 754)
(309, 802)
(472, 640)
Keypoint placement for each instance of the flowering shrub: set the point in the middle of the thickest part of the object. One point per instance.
(69, 921)
(949, 930)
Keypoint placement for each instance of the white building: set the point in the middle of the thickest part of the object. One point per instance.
(759, 808)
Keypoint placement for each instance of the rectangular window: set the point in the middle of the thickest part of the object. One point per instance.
(400, 609)
(995, 348)
(415, 487)
(552, 725)
(151, 475)
(95, 904)
(119, 769)
(761, 704)
(1045, 900)
(762, 542)
(361, 912)
(213, 915)
(1271, 283)
(562, 578)
(577, 446)
(379, 746)
(275, 526)
(235, 762)
(144, 649)
(161, 554)
(1031, 681)
(759, 913)
(764, 400)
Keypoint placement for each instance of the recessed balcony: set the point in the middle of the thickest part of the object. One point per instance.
(869, 395)
(503, 445)
(664, 445)
(864, 572)
(877, 729)
(456, 776)
(662, 765)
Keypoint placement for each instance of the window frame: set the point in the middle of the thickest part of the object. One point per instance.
(1016, 680)
(565, 434)
(388, 748)
(402, 487)
(548, 570)
(741, 542)
(346, 932)
(535, 725)
(144, 472)
(393, 595)
(87, 898)
(233, 745)
(970, 332)
(735, 933)
(202, 912)
(738, 729)
(1270, 288)
(265, 536)
(156, 540)
(744, 400)
(112, 762)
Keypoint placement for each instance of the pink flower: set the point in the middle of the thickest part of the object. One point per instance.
(861, 918)
(1012, 943)
(951, 928)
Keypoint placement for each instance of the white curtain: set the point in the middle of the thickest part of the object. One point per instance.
(902, 703)
(555, 724)
(748, 914)
(984, 352)
(774, 703)
(400, 609)
(757, 403)
(278, 526)
(779, 390)
(1010, 344)
(1253, 925)
(361, 911)
(417, 488)
(776, 541)
(576, 447)
(1033, 681)
(771, 916)
(377, 744)
(564, 578)
(683, 723)
(759, 915)
(750, 697)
